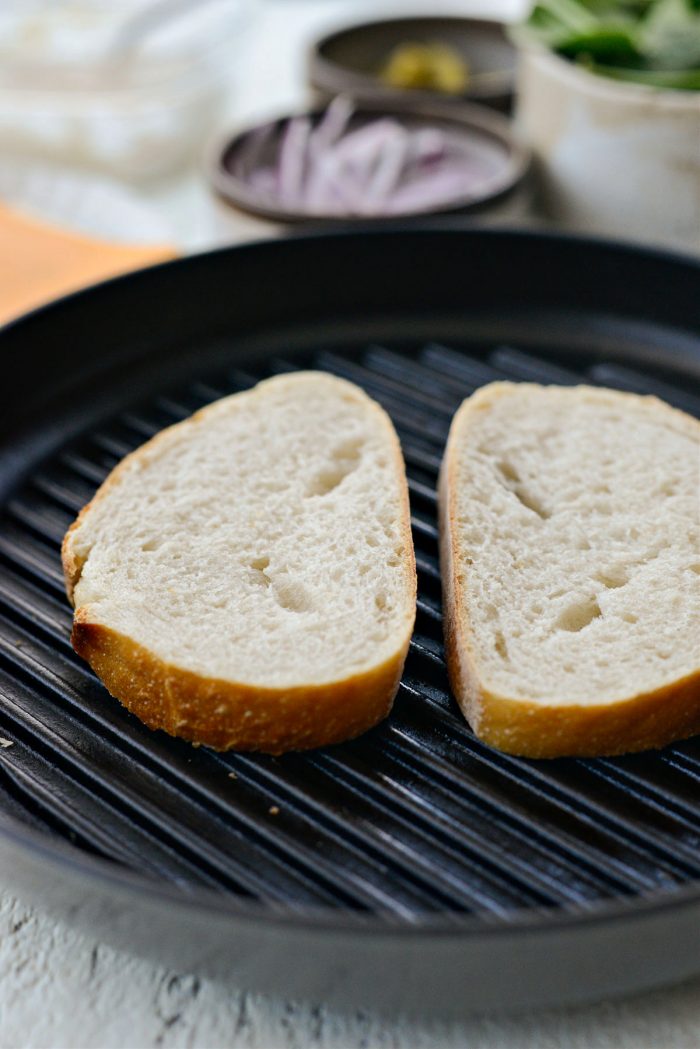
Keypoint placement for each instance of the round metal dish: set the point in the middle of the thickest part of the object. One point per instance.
(414, 868)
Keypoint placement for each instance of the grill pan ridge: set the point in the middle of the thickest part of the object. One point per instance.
(416, 825)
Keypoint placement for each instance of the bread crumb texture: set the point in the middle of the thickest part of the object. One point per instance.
(573, 521)
(263, 542)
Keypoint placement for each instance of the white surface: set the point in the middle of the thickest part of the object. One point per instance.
(85, 202)
(129, 86)
(59, 991)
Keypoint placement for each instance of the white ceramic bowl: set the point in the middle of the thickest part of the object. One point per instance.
(614, 158)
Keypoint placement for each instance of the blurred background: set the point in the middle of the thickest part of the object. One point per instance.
(136, 129)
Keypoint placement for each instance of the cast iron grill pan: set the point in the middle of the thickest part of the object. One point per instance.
(417, 820)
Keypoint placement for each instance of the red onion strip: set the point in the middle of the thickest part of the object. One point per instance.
(332, 125)
(381, 167)
(292, 160)
(442, 187)
(387, 172)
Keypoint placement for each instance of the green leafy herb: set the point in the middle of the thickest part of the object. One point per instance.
(653, 42)
(671, 34)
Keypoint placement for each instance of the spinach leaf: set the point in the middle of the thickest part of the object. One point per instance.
(671, 35)
(679, 80)
(655, 42)
(611, 44)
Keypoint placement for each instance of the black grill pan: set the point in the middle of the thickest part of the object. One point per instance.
(415, 867)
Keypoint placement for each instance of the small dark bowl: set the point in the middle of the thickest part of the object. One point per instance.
(348, 61)
(504, 158)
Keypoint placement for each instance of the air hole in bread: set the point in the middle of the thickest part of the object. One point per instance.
(257, 568)
(292, 596)
(579, 615)
(695, 568)
(326, 482)
(388, 528)
(500, 645)
(630, 617)
(612, 578)
(151, 544)
(345, 459)
(530, 501)
(508, 471)
(524, 496)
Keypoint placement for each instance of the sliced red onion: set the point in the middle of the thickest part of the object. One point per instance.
(428, 145)
(329, 187)
(264, 181)
(332, 124)
(357, 146)
(292, 160)
(346, 169)
(444, 187)
(250, 155)
(383, 167)
(387, 172)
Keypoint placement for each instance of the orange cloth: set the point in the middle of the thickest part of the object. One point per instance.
(39, 262)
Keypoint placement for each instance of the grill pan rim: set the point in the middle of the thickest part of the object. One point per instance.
(448, 226)
(62, 856)
(335, 920)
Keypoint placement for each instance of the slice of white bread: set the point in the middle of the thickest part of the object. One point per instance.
(570, 549)
(246, 579)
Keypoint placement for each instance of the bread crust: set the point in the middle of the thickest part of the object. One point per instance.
(543, 729)
(224, 714)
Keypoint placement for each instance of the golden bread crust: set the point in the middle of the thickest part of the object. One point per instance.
(544, 729)
(225, 714)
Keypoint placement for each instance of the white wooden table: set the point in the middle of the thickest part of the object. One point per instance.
(60, 991)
